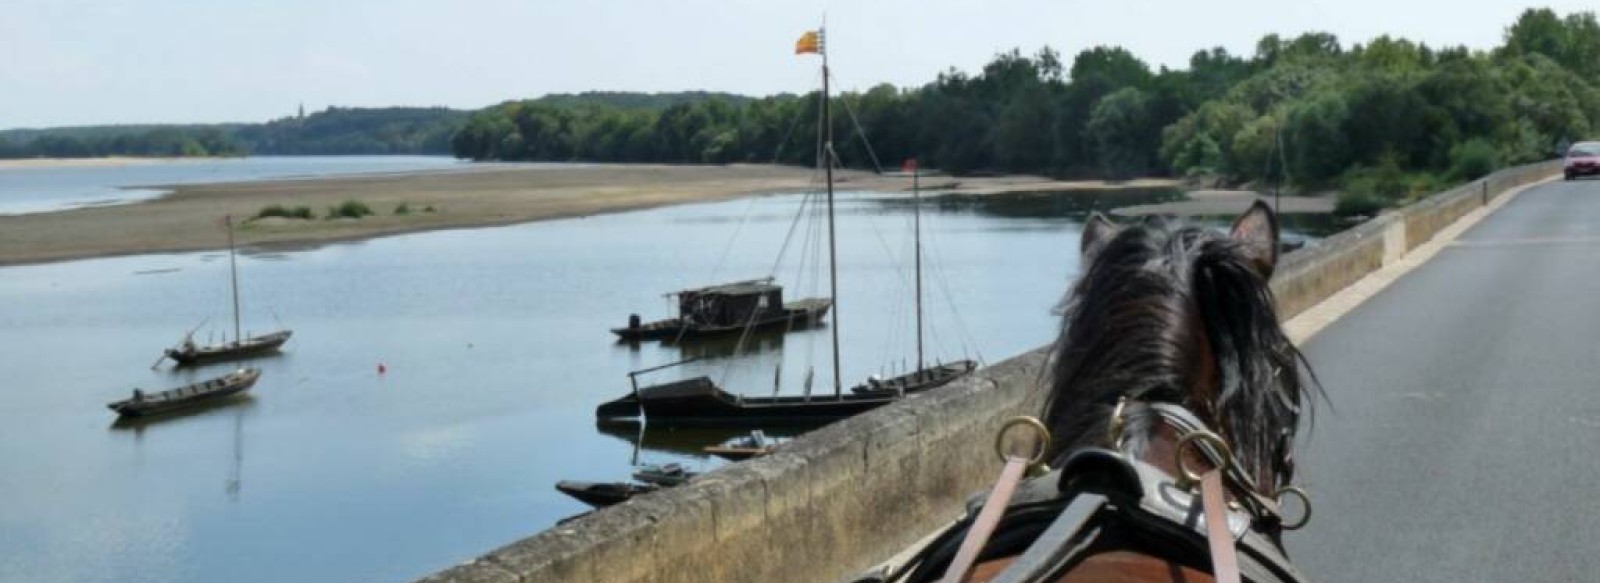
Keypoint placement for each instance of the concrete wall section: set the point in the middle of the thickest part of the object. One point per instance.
(845, 497)
(823, 507)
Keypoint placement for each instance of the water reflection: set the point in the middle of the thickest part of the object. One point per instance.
(1043, 204)
(686, 443)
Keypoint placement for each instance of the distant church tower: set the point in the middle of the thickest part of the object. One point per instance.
(302, 110)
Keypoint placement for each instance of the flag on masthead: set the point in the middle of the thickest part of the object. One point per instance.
(810, 42)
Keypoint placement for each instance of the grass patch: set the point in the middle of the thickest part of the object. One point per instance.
(403, 209)
(278, 210)
(429, 209)
(352, 209)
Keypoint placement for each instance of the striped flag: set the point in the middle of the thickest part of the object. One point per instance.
(810, 42)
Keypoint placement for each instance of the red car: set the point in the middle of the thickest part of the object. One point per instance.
(1583, 159)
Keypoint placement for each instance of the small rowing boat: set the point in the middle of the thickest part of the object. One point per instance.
(207, 391)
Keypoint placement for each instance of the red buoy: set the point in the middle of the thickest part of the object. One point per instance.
(382, 369)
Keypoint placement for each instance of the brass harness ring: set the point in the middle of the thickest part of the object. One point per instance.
(1305, 499)
(1031, 423)
(1187, 478)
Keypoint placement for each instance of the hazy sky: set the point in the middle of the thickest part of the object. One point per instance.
(74, 62)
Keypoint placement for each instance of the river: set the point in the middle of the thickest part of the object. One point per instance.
(496, 348)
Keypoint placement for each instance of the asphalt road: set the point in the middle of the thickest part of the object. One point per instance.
(1463, 438)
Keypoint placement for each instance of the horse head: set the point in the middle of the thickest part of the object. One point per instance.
(1167, 313)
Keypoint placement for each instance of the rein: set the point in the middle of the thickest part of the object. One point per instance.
(1104, 500)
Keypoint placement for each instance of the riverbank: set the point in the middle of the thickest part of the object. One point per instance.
(481, 195)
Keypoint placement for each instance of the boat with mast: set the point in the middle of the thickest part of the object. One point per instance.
(187, 352)
(924, 377)
(726, 309)
(699, 401)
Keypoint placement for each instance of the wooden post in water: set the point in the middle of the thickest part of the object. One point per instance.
(233, 269)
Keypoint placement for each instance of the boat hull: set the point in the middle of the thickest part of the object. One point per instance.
(602, 494)
(196, 395)
(698, 401)
(922, 380)
(737, 454)
(253, 346)
(794, 315)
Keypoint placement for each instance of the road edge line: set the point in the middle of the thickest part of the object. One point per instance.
(1305, 325)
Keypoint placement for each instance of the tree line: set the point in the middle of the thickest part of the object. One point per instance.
(336, 130)
(1382, 120)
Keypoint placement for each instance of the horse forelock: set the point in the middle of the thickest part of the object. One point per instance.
(1177, 315)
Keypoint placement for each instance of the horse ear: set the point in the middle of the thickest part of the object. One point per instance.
(1096, 231)
(1257, 230)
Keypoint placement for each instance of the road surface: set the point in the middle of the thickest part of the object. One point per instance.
(1463, 438)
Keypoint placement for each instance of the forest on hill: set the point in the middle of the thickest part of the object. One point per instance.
(1382, 120)
(336, 130)
(333, 131)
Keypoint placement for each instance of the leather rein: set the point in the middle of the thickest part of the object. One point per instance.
(1214, 518)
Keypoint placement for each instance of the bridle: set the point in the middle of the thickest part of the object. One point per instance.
(1106, 498)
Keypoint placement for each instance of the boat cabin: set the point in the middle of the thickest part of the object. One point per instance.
(733, 304)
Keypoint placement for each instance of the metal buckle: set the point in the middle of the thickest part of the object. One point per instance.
(1186, 478)
(1305, 499)
(1036, 461)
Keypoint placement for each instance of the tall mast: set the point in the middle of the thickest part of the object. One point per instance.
(233, 269)
(833, 253)
(916, 195)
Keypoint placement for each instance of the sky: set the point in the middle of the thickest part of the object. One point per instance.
(78, 62)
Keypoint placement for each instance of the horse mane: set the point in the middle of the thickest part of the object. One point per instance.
(1153, 306)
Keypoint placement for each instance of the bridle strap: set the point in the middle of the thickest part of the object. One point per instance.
(1224, 557)
(993, 509)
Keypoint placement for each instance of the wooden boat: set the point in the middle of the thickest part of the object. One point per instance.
(727, 309)
(602, 494)
(665, 475)
(919, 380)
(754, 445)
(200, 393)
(188, 352)
(699, 401)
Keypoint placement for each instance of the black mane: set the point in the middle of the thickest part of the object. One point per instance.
(1137, 324)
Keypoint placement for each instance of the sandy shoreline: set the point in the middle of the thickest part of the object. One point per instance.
(188, 218)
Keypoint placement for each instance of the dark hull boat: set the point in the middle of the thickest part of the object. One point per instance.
(922, 380)
(602, 494)
(794, 314)
(698, 401)
(727, 308)
(201, 393)
(188, 353)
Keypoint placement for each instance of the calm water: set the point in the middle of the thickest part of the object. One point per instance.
(497, 353)
(41, 189)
